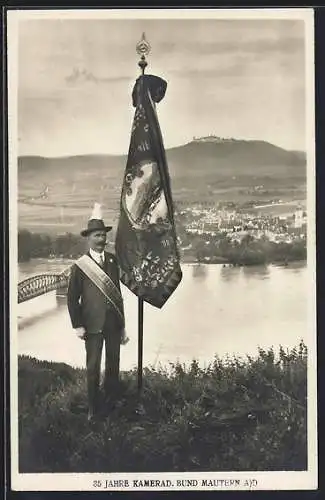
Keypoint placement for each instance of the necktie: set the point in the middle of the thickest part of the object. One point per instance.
(101, 261)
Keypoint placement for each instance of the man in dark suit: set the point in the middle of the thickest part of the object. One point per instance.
(96, 309)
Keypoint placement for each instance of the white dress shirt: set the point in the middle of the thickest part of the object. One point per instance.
(97, 256)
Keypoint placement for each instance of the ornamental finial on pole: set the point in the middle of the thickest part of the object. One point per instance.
(143, 48)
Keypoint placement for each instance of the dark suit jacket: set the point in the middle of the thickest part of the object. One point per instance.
(86, 304)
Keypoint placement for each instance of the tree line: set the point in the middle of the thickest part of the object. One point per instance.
(249, 251)
(36, 245)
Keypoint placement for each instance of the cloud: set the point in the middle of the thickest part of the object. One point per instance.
(84, 76)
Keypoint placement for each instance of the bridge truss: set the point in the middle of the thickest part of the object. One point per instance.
(41, 284)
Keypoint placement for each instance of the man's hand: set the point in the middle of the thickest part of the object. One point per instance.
(80, 332)
(124, 338)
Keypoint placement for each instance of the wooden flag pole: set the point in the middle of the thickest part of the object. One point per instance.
(140, 342)
(143, 49)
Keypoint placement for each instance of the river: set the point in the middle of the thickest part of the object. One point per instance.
(215, 310)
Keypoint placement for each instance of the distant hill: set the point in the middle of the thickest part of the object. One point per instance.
(221, 159)
(235, 157)
(199, 170)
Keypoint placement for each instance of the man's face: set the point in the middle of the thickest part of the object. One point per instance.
(97, 240)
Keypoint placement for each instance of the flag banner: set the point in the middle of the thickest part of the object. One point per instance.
(146, 242)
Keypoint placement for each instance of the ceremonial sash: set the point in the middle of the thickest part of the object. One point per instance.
(103, 282)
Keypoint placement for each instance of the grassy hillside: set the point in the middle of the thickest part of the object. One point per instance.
(234, 415)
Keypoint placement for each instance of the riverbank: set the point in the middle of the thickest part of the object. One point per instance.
(233, 415)
(219, 249)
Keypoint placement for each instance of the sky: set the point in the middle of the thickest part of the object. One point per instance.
(232, 78)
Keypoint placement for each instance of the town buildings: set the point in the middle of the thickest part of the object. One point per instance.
(236, 224)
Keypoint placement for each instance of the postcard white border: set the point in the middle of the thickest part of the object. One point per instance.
(247, 480)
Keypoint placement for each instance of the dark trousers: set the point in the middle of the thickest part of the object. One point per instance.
(94, 346)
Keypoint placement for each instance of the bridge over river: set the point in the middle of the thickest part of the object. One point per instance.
(215, 310)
